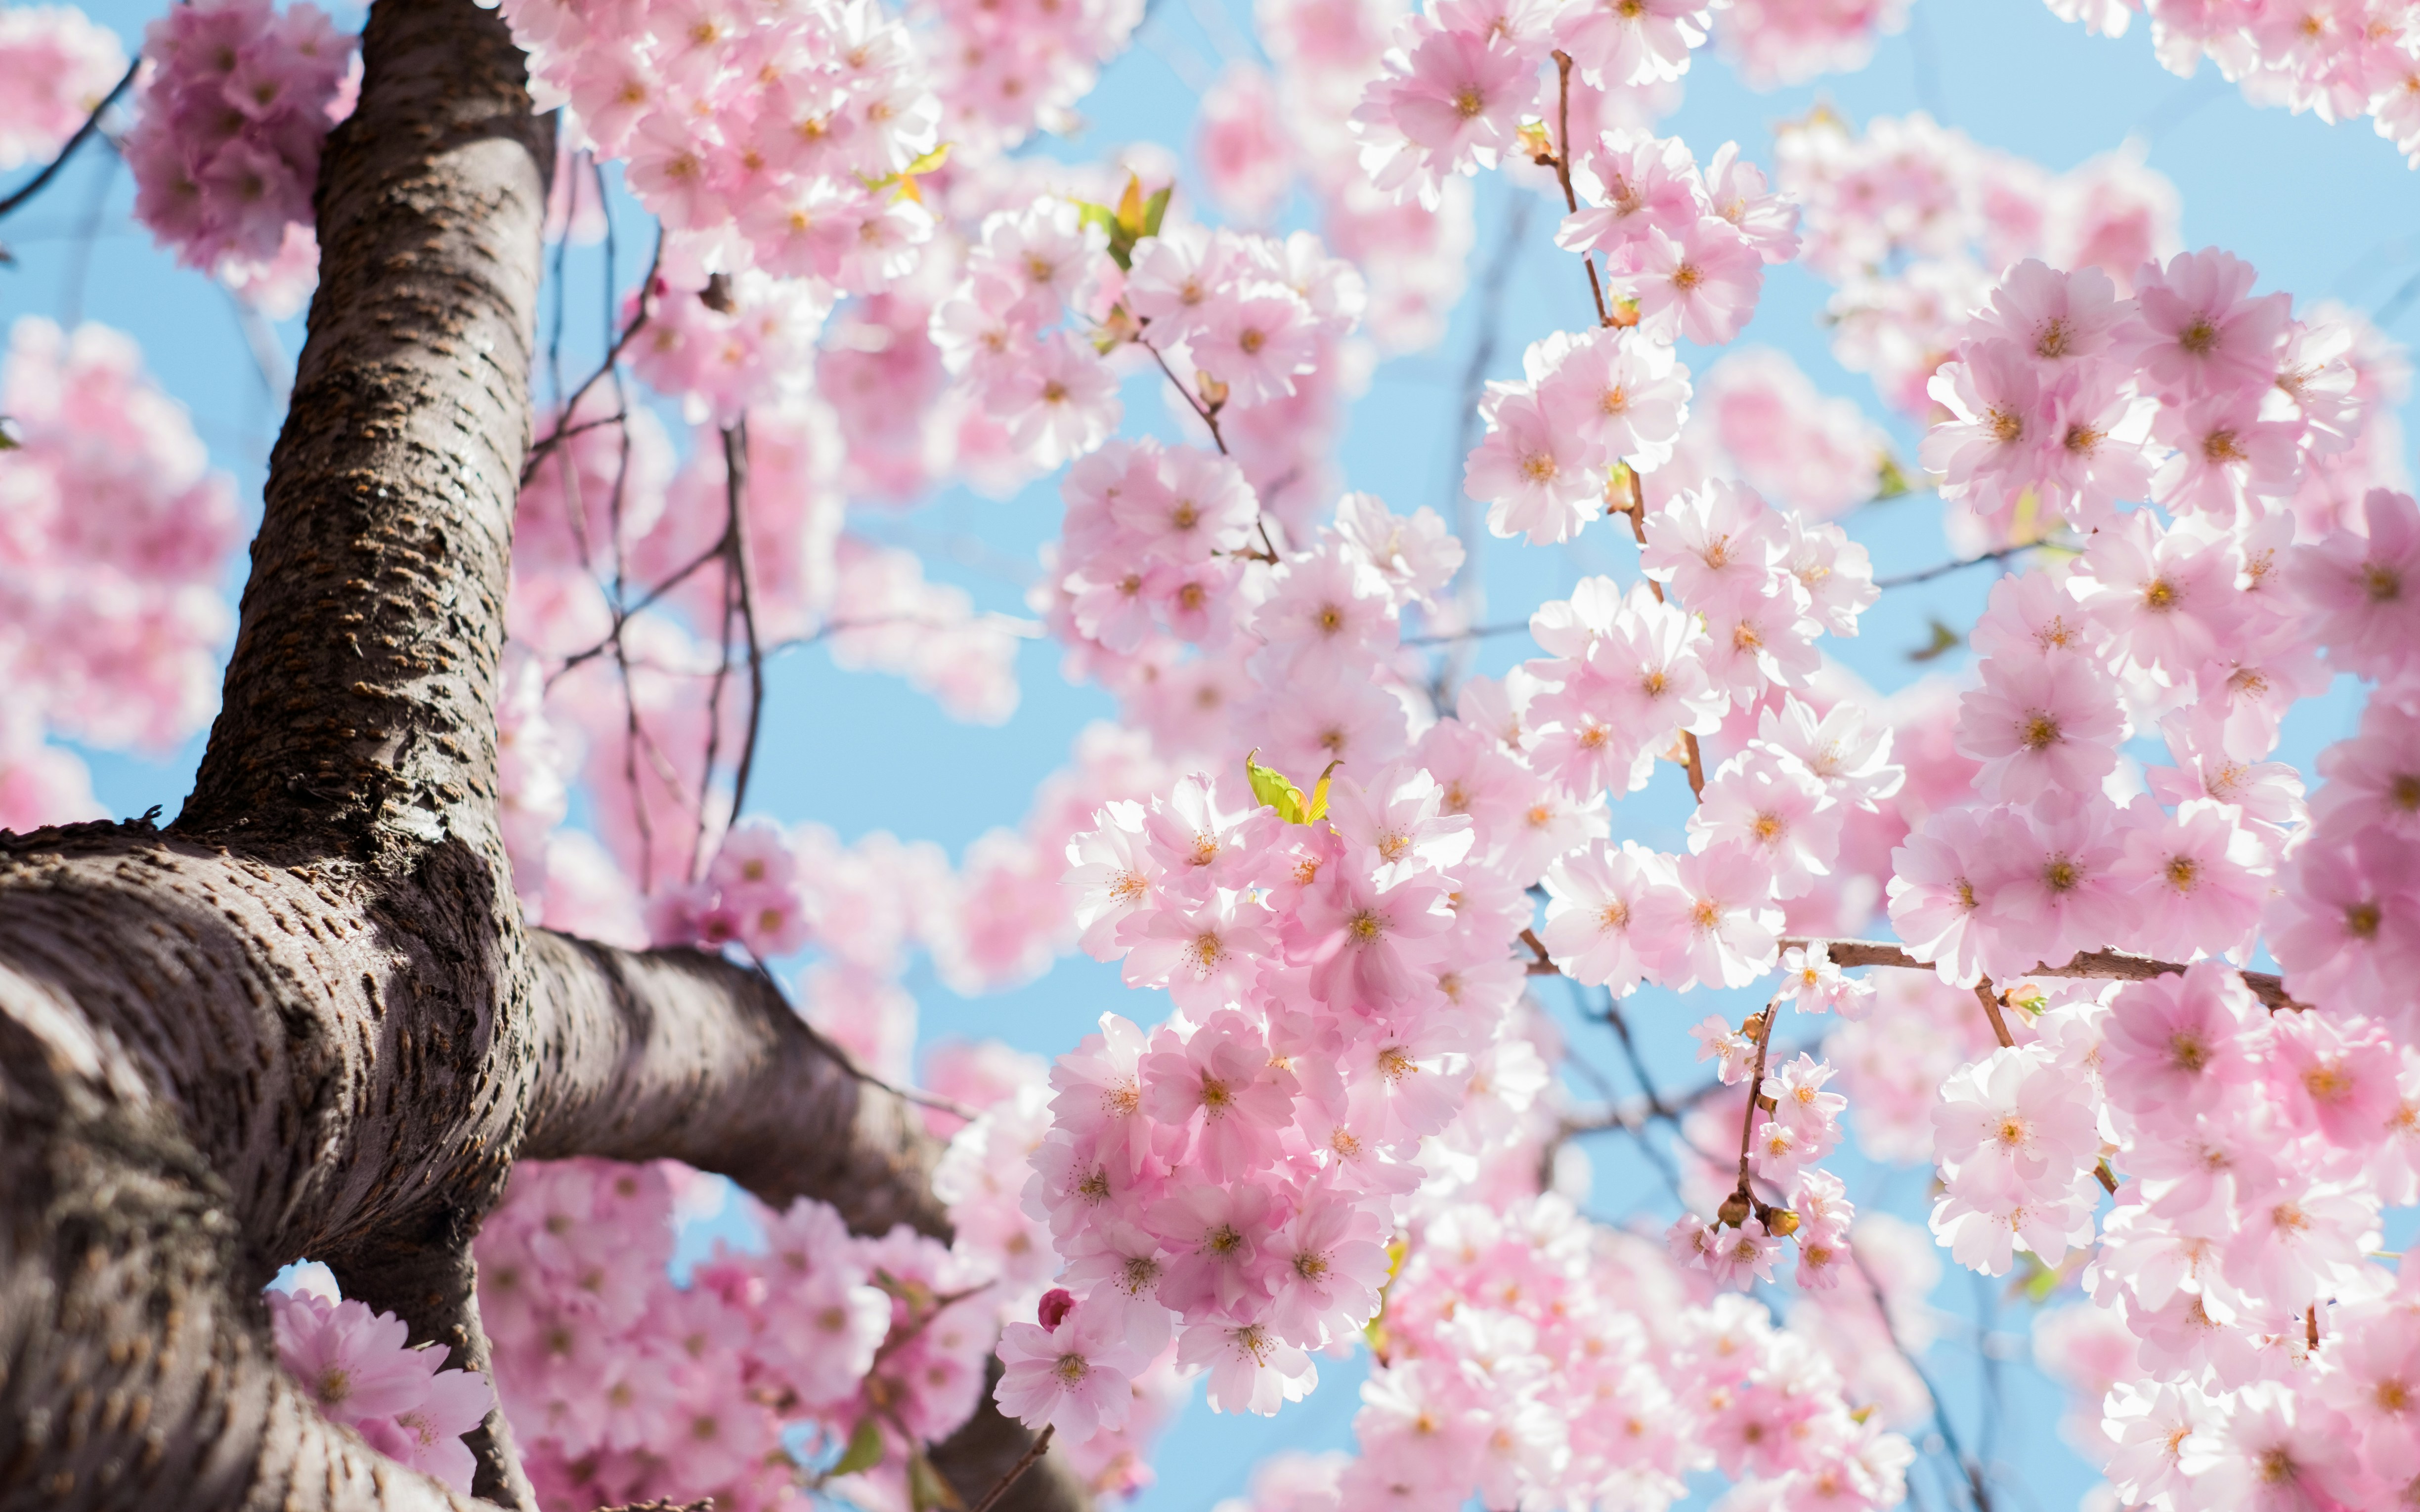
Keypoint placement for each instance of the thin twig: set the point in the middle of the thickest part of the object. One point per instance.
(1469, 588)
(91, 124)
(722, 668)
(88, 234)
(1564, 172)
(646, 600)
(734, 461)
(613, 361)
(1990, 1001)
(1208, 414)
(1940, 1414)
(1544, 964)
(1476, 632)
(1693, 760)
(1944, 568)
(1755, 1091)
(1017, 1472)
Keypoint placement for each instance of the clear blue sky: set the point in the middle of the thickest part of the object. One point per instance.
(2324, 211)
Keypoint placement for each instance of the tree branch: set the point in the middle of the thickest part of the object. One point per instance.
(2107, 965)
(682, 1056)
(68, 149)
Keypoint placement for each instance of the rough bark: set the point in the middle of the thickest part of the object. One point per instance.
(307, 1019)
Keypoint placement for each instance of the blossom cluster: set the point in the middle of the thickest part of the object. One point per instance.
(777, 125)
(56, 64)
(1261, 133)
(2341, 62)
(1684, 254)
(359, 1370)
(1005, 70)
(1776, 43)
(1614, 1376)
(113, 533)
(2248, 1337)
(1231, 1176)
(229, 121)
(1913, 222)
(2209, 626)
(603, 1364)
(1758, 417)
(1463, 80)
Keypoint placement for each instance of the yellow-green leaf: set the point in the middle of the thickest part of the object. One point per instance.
(2038, 1282)
(1374, 1330)
(1318, 794)
(1131, 206)
(865, 1449)
(1273, 788)
(1889, 480)
(930, 162)
(1156, 208)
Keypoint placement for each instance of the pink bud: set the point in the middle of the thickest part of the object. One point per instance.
(1057, 1304)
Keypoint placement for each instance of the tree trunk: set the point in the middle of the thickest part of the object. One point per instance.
(307, 1019)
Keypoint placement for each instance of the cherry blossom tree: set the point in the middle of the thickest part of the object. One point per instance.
(351, 1116)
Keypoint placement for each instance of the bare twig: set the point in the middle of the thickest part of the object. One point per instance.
(68, 149)
(556, 437)
(1544, 966)
(646, 601)
(1990, 1001)
(1476, 632)
(1940, 1415)
(1564, 172)
(1946, 568)
(1693, 760)
(1468, 587)
(735, 458)
(1208, 414)
(1017, 1472)
(1754, 1089)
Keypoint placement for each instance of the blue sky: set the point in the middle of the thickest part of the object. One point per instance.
(2326, 212)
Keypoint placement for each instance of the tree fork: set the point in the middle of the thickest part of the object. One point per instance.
(307, 1018)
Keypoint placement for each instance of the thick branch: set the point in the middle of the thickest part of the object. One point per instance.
(682, 1056)
(2108, 965)
(358, 702)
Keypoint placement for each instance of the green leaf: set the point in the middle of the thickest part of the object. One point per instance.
(865, 1449)
(1889, 482)
(1135, 218)
(930, 162)
(1944, 641)
(926, 1490)
(1273, 788)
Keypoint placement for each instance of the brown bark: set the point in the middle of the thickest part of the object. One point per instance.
(307, 1019)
